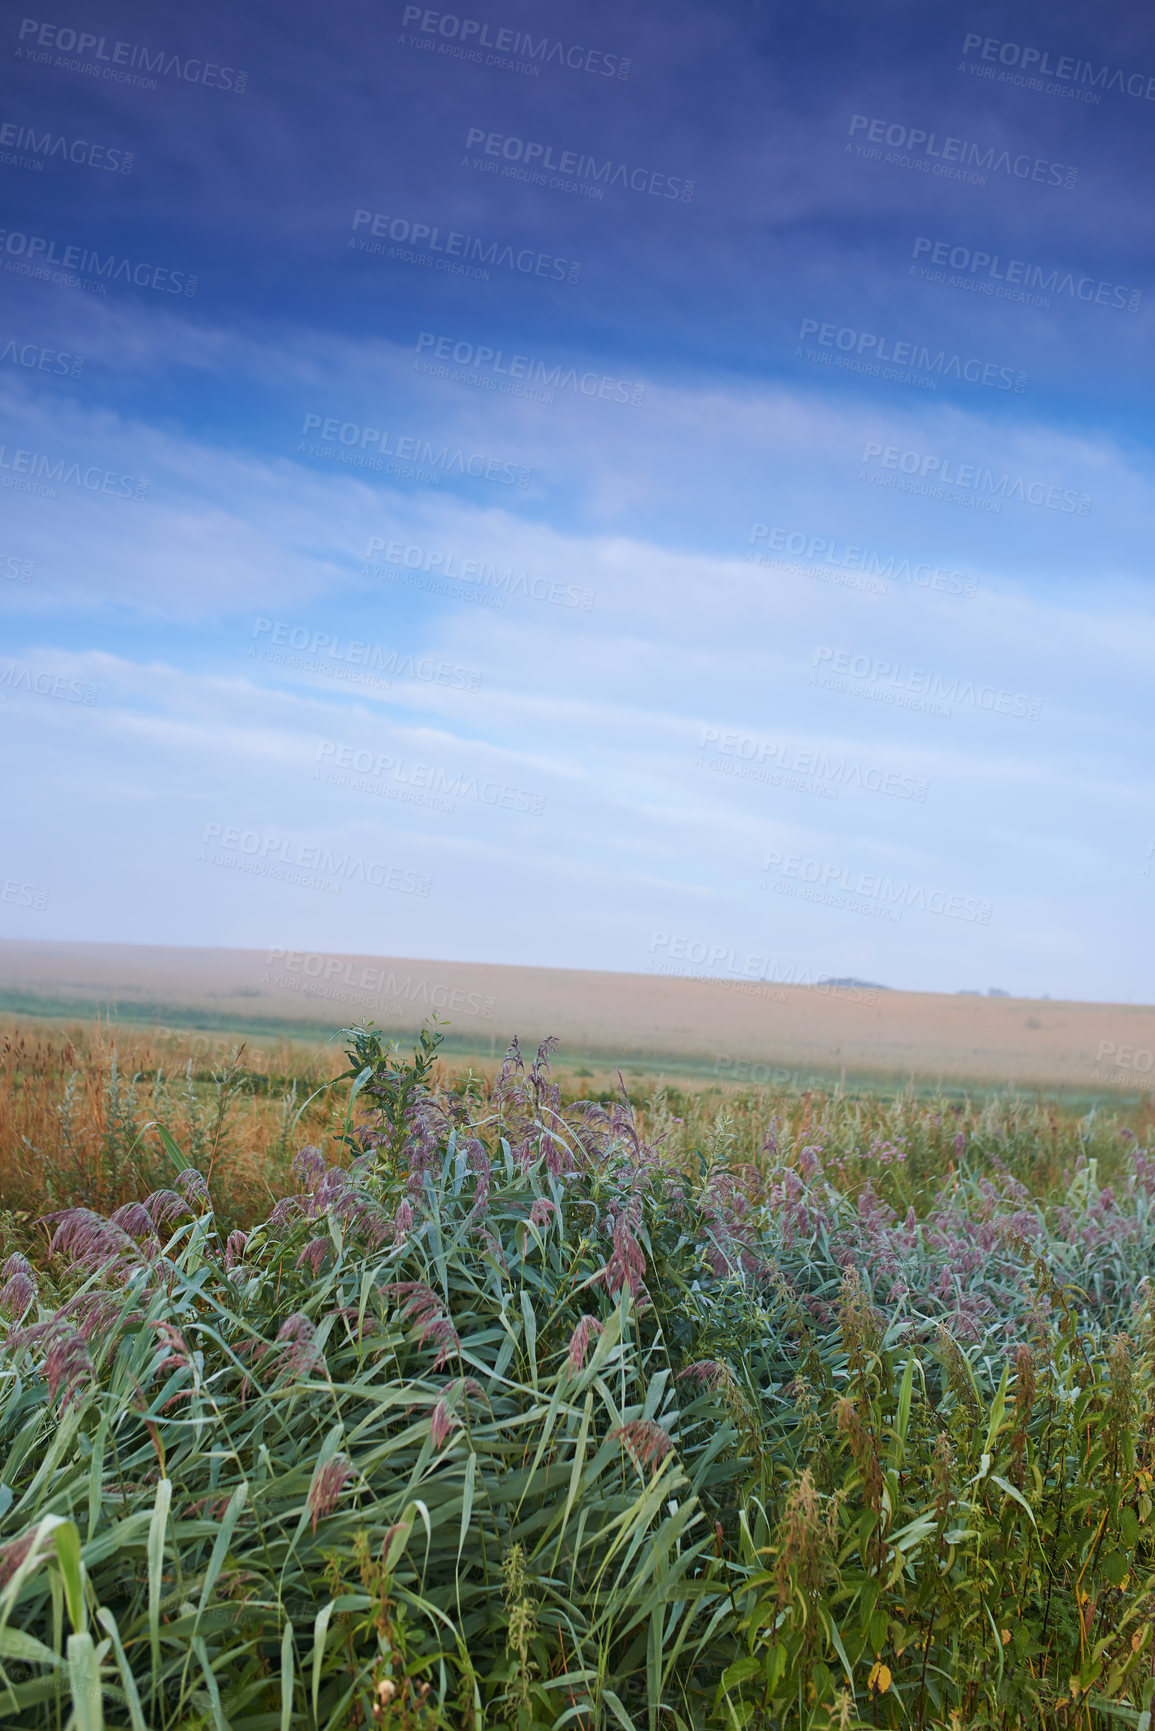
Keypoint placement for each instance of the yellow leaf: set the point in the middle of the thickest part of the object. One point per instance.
(879, 1677)
(1006, 1637)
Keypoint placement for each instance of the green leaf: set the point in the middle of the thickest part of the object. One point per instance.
(66, 1540)
(902, 1417)
(1010, 1490)
(24, 1649)
(997, 1410)
(155, 1553)
(320, 1630)
(84, 1682)
(287, 1672)
(221, 1544)
(127, 1681)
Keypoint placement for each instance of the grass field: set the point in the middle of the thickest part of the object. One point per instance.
(473, 1392)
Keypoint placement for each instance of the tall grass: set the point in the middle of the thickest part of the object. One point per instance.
(516, 1411)
(81, 1113)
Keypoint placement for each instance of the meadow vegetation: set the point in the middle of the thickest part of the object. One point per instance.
(450, 1399)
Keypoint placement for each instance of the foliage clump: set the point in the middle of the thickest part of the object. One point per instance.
(518, 1411)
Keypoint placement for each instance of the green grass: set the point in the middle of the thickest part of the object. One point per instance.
(769, 1411)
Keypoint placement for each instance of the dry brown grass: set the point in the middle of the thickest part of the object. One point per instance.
(80, 1113)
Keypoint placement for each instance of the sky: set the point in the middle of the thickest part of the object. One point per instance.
(638, 487)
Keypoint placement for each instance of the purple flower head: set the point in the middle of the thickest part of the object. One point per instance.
(587, 1329)
(165, 1205)
(171, 1341)
(557, 1156)
(431, 1326)
(442, 1421)
(67, 1367)
(429, 1128)
(94, 1243)
(95, 1313)
(492, 1243)
(235, 1248)
(542, 1212)
(193, 1188)
(627, 1263)
(315, 1253)
(334, 1191)
(13, 1554)
(960, 1143)
(133, 1218)
(646, 1443)
(510, 1084)
(546, 1051)
(282, 1212)
(403, 1222)
(481, 1194)
(328, 1483)
(18, 1293)
(309, 1166)
(470, 1388)
(708, 1373)
(300, 1355)
(475, 1156)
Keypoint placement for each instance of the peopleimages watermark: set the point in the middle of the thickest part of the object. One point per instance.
(119, 62)
(348, 981)
(888, 682)
(910, 363)
(573, 170)
(13, 569)
(748, 973)
(748, 758)
(979, 272)
(363, 770)
(39, 682)
(1035, 64)
(517, 375)
(507, 50)
(263, 853)
(352, 659)
(25, 147)
(1124, 1066)
(847, 560)
(22, 895)
(939, 477)
(951, 158)
(39, 359)
(474, 579)
(454, 251)
(752, 1074)
(363, 447)
(82, 266)
(33, 472)
(869, 893)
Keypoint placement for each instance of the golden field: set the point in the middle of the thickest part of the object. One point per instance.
(735, 1030)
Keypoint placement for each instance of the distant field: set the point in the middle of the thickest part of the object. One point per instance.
(746, 1032)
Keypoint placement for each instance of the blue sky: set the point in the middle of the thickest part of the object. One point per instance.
(769, 595)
